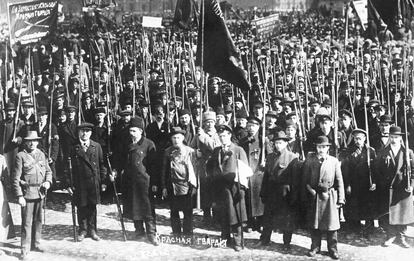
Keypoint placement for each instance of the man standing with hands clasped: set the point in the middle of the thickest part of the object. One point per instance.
(31, 179)
(324, 195)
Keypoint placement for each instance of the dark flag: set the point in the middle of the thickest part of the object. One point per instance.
(184, 14)
(221, 58)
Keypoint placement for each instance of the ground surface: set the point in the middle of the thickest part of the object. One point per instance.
(59, 245)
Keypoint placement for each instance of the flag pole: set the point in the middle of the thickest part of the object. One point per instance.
(198, 206)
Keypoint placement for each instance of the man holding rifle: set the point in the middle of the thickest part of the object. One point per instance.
(89, 173)
(395, 185)
(359, 183)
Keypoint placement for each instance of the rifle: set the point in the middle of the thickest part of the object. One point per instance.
(118, 204)
(92, 78)
(75, 233)
(240, 209)
(66, 76)
(407, 164)
(31, 85)
(368, 145)
(19, 100)
(49, 136)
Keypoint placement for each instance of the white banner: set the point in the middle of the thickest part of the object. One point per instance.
(151, 21)
(361, 8)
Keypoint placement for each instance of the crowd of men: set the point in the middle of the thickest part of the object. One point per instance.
(318, 142)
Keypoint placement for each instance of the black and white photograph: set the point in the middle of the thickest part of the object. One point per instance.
(134, 130)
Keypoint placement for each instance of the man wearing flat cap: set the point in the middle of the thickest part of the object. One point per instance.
(228, 192)
(68, 132)
(89, 175)
(8, 146)
(345, 125)
(280, 191)
(49, 148)
(100, 130)
(138, 178)
(326, 129)
(360, 184)
(120, 130)
(252, 145)
(31, 178)
(87, 107)
(395, 188)
(179, 182)
(185, 123)
(324, 194)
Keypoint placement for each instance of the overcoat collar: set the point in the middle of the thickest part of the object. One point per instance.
(84, 155)
(135, 146)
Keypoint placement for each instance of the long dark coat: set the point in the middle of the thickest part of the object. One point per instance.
(119, 142)
(361, 202)
(138, 179)
(44, 142)
(222, 169)
(322, 209)
(89, 171)
(282, 171)
(387, 168)
(6, 222)
(253, 150)
(7, 148)
(68, 137)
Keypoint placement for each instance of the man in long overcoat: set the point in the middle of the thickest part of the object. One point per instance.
(207, 140)
(89, 174)
(359, 182)
(280, 191)
(228, 193)
(137, 180)
(324, 192)
(253, 148)
(395, 188)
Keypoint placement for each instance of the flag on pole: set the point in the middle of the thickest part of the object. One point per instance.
(184, 14)
(361, 8)
(220, 56)
(30, 21)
